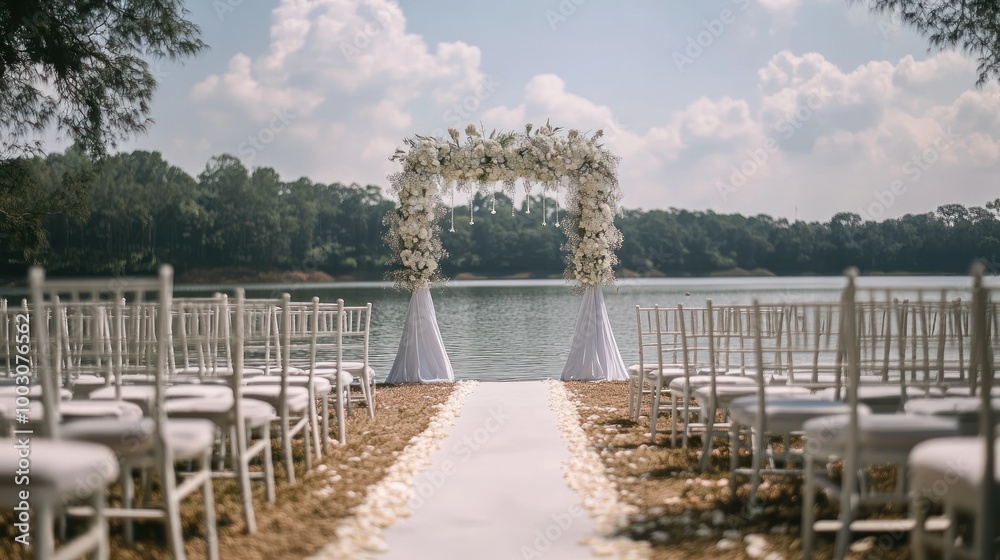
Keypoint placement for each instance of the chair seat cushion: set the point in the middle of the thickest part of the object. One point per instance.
(786, 414)
(726, 394)
(71, 411)
(296, 398)
(131, 393)
(200, 390)
(667, 374)
(276, 370)
(965, 409)
(705, 380)
(349, 366)
(321, 385)
(9, 393)
(878, 433)
(220, 371)
(965, 391)
(884, 398)
(219, 410)
(958, 461)
(84, 384)
(187, 439)
(331, 375)
(61, 465)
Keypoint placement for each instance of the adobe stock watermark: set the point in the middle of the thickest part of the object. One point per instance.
(913, 169)
(562, 13)
(923, 499)
(889, 24)
(255, 143)
(433, 480)
(546, 537)
(713, 29)
(992, 265)
(223, 7)
(462, 112)
(364, 34)
(757, 157)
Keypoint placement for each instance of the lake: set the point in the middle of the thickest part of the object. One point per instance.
(503, 330)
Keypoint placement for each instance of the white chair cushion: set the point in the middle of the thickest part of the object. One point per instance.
(958, 462)
(726, 394)
(666, 374)
(965, 391)
(344, 364)
(219, 410)
(9, 392)
(203, 390)
(321, 385)
(131, 393)
(69, 467)
(220, 371)
(296, 398)
(331, 376)
(965, 409)
(187, 439)
(883, 398)
(276, 370)
(704, 380)
(881, 433)
(786, 414)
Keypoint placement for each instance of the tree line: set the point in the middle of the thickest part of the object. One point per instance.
(140, 211)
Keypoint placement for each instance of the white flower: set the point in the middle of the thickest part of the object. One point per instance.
(542, 158)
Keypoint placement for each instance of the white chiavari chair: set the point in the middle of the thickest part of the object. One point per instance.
(707, 355)
(293, 404)
(778, 412)
(860, 440)
(62, 473)
(151, 444)
(664, 365)
(960, 474)
(302, 359)
(243, 423)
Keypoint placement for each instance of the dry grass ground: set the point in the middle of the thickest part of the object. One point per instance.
(304, 517)
(688, 515)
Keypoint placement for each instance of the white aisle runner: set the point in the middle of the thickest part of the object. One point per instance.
(495, 489)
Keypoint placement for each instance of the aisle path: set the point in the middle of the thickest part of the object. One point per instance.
(495, 489)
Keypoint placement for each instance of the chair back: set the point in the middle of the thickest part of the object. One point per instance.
(985, 344)
(144, 303)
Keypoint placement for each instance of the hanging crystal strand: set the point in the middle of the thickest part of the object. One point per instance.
(545, 189)
(472, 209)
(493, 202)
(527, 199)
(452, 208)
(557, 206)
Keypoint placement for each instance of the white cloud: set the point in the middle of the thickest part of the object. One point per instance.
(811, 136)
(348, 71)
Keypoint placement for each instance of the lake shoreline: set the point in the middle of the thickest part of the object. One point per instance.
(244, 275)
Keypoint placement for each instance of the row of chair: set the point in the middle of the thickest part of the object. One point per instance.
(123, 378)
(899, 376)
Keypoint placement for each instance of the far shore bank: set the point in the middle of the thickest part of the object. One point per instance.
(242, 275)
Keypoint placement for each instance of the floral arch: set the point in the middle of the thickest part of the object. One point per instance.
(572, 163)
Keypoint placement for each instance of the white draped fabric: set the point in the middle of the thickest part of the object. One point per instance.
(594, 355)
(421, 357)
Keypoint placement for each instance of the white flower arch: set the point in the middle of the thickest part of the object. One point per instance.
(580, 165)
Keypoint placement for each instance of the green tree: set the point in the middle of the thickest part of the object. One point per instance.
(92, 57)
(82, 68)
(970, 25)
(31, 190)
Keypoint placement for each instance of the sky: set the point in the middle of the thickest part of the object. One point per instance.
(793, 108)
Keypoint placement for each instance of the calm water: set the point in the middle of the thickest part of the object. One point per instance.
(522, 329)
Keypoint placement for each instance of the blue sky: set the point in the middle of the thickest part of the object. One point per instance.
(791, 108)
